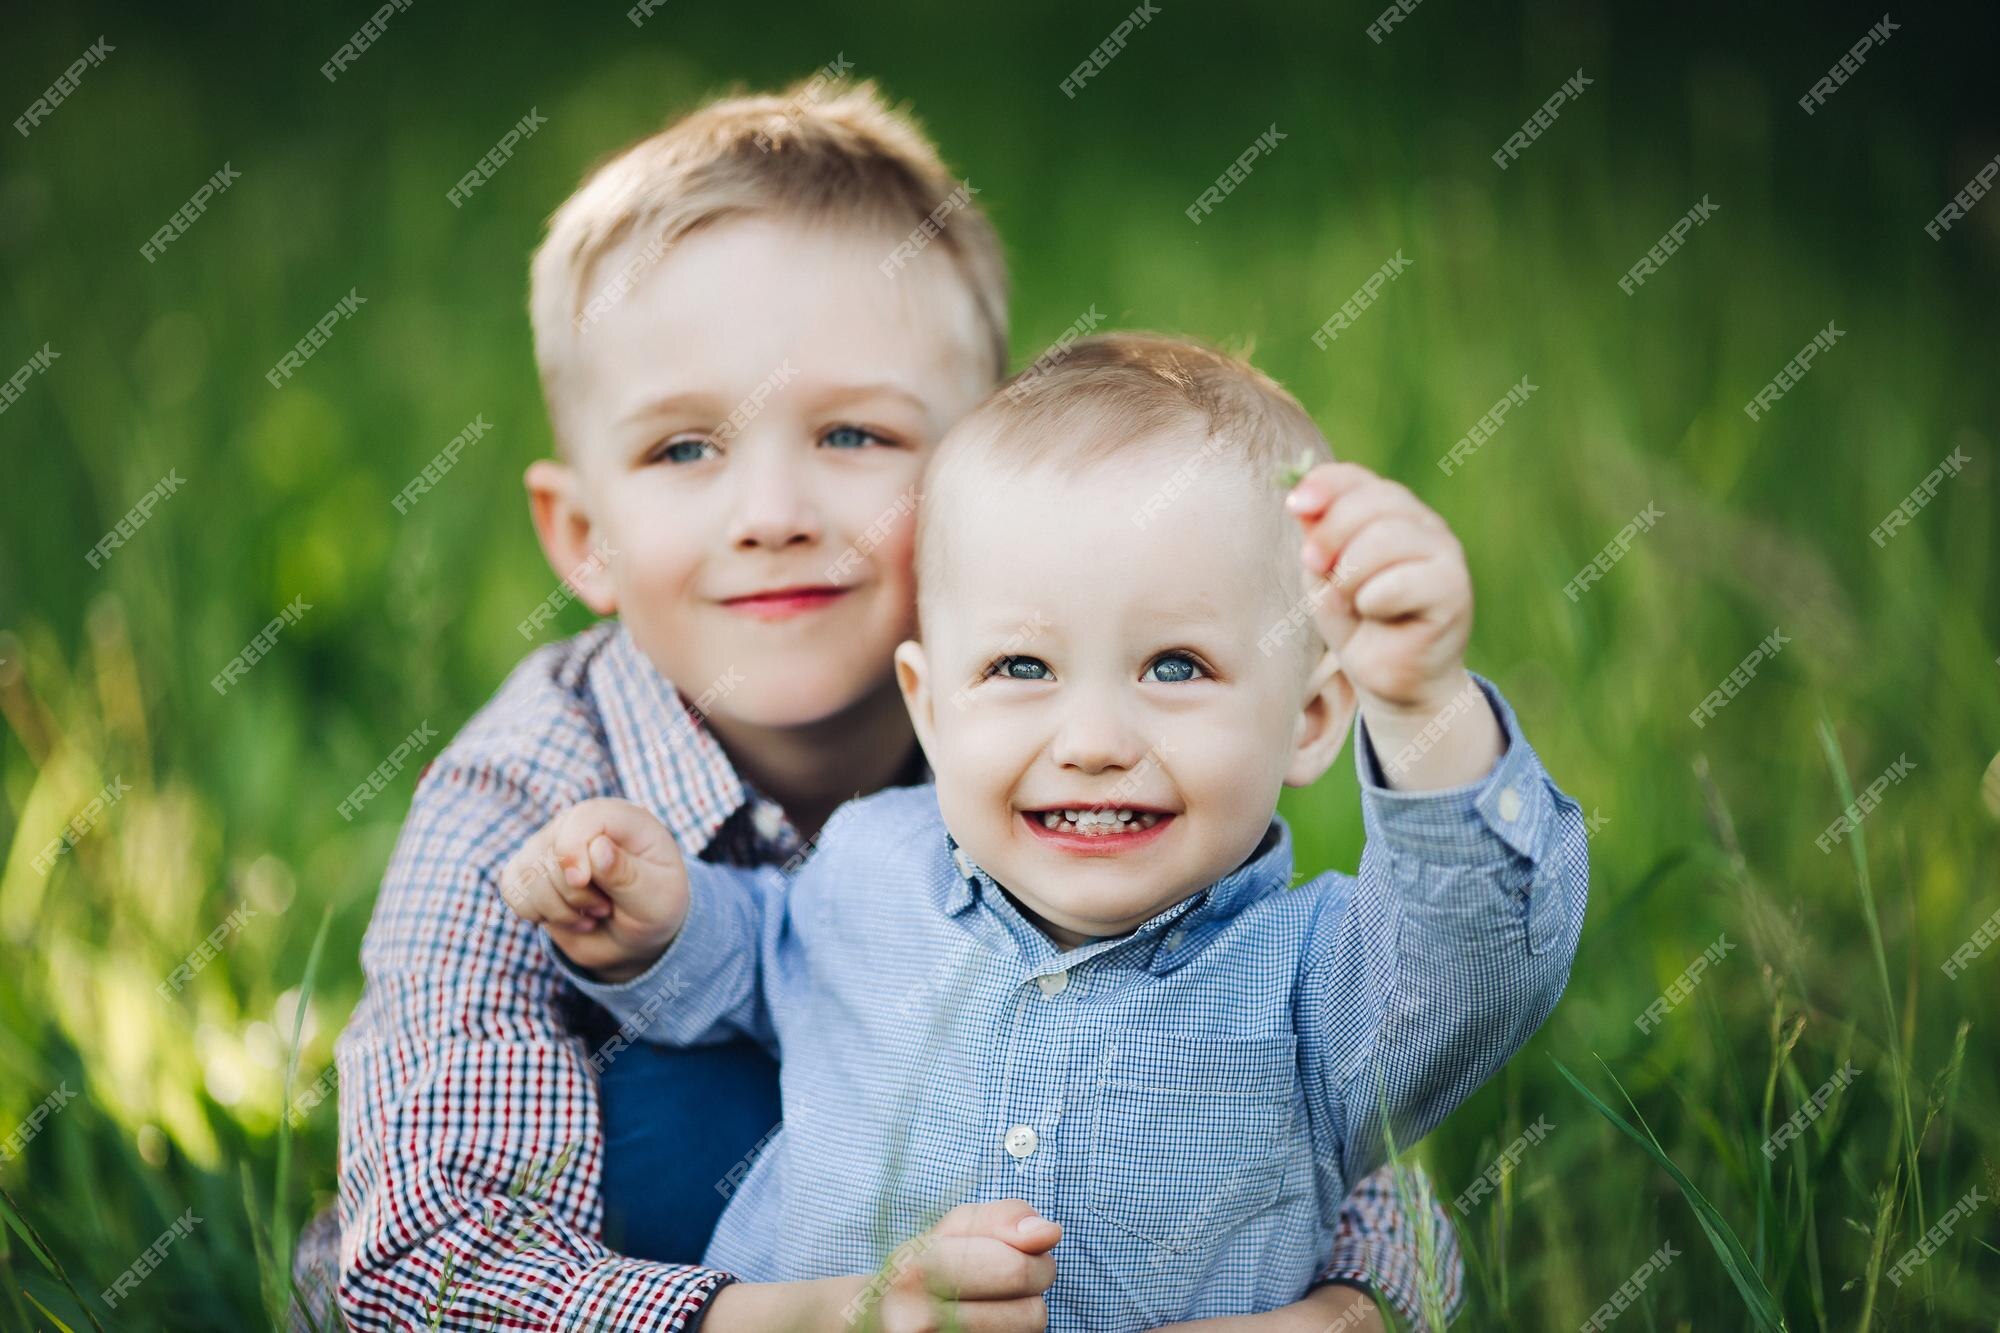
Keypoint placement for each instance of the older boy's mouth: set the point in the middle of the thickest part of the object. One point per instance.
(1097, 829)
(782, 603)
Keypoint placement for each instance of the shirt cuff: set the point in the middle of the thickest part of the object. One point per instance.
(638, 1293)
(1512, 810)
(710, 944)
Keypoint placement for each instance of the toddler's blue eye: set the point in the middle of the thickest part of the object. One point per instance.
(1172, 668)
(683, 451)
(850, 437)
(1020, 668)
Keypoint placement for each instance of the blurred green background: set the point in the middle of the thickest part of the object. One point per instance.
(1702, 832)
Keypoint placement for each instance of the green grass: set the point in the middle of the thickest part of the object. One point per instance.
(181, 1101)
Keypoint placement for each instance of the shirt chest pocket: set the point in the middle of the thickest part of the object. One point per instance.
(1189, 1136)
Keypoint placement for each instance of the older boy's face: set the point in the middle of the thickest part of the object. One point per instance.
(748, 429)
(1085, 656)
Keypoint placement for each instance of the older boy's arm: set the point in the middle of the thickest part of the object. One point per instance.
(470, 1137)
(1394, 1249)
(1452, 947)
(1376, 1253)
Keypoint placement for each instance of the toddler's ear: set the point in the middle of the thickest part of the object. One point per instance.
(913, 678)
(576, 548)
(1325, 719)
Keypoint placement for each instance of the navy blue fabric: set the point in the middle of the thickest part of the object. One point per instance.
(676, 1120)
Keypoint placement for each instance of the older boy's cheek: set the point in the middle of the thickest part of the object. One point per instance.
(895, 567)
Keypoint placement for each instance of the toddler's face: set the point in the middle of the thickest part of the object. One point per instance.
(1087, 657)
(748, 428)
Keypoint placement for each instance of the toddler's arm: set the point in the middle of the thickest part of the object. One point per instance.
(671, 949)
(1439, 962)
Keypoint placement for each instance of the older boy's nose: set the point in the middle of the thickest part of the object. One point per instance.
(773, 511)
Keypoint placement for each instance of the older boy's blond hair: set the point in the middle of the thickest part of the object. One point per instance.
(1117, 392)
(824, 152)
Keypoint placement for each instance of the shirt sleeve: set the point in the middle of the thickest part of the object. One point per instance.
(1442, 958)
(1379, 1246)
(709, 982)
(471, 1147)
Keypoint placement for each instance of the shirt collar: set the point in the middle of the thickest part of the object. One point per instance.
(667, 757)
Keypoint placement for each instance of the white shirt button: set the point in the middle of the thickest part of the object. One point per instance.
(1176, 938)
(1021, 1140)
(768, 819)
(1054, 984)
(1510, 804)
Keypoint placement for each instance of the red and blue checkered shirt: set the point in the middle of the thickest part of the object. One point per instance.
(470, 1136)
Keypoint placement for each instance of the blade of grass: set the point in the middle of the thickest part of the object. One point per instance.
(26, 1229)
(281, 1226)
(1735, 1260)
(1413, 1193)
(47, 1313)
(1857, 848)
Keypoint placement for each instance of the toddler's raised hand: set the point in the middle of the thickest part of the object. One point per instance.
(1396, 611)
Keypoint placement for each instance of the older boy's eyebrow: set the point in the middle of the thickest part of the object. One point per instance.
(690, 401)
(839, 395)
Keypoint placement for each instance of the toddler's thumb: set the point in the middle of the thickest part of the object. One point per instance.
(611, 866)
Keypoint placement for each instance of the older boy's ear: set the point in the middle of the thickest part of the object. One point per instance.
(913, 678)
(570, 541)
(1325, 719)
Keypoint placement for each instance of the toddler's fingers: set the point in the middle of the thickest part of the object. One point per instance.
(1012, 1220)
(1322, 486)
(1026, 1314)
(517, 876)
(913, 1310)
(630, 828)
(611, 866)
(566, 868)
(981, 1268)
(585, 900)
(1409, 588)
(532, 887)
(1392, 539)
(1327, 538)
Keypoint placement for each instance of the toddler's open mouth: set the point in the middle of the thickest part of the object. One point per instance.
(1097, 828)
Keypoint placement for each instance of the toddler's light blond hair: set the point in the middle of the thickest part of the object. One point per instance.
(823, 153)
(1118, 392)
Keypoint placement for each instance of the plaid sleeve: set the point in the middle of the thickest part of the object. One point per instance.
(470, 1140)
(1378, 1248)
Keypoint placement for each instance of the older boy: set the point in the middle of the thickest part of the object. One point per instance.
(741, 399)
(1072, 971)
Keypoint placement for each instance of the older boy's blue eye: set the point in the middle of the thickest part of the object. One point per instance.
(1172, 668)
(850, 437)
(1020, 668)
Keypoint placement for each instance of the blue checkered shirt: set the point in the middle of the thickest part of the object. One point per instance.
(471, 1143)
(1190, 1100)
